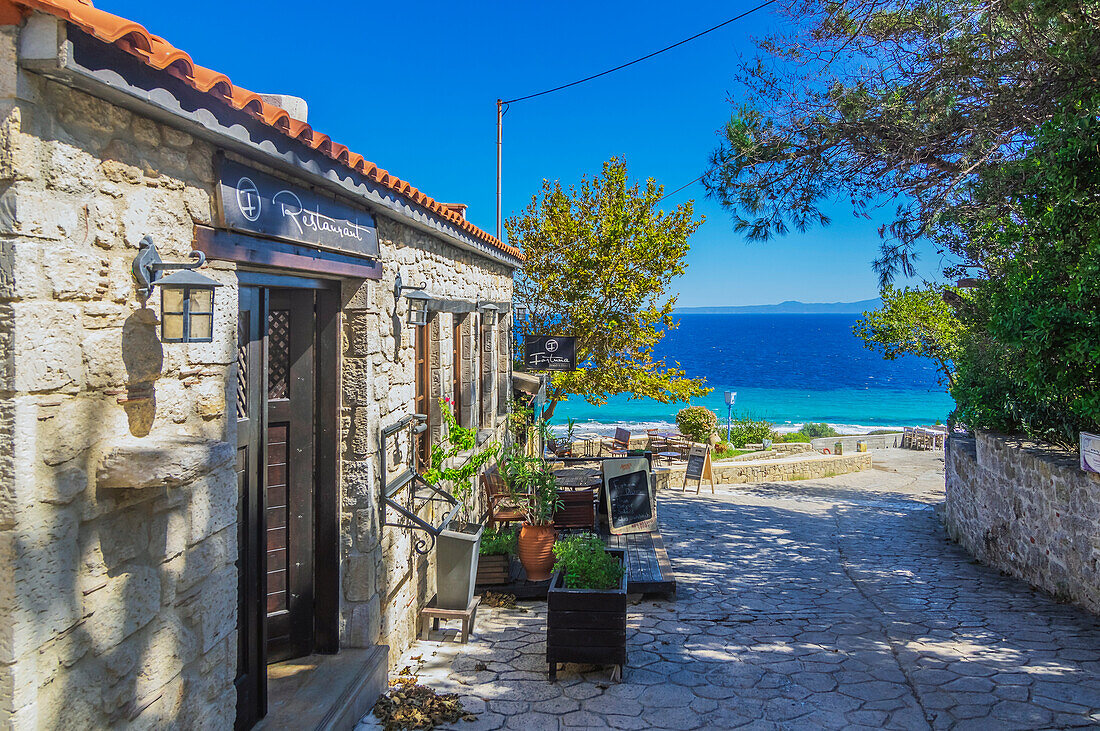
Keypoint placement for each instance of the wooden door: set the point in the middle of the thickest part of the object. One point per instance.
(251, 680)
(289, 470)
(422, 403)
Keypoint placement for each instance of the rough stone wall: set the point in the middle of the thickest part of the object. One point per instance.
(385, 582)
(1028, 510)
(118, 602)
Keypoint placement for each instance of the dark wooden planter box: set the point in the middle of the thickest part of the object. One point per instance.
(585, 625)
(496, 569)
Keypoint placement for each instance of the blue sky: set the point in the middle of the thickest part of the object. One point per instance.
(412, 87)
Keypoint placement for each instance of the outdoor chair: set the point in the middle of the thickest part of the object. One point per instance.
(501, 506)
(578, 509)
(617, 445)
(656, 441)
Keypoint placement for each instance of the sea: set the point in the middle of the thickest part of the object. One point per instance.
(787, 369)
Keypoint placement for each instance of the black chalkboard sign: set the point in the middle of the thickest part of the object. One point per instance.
(629, 491)
(695, 463)
(699, 467)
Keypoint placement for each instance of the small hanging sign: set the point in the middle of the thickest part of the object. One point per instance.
(1090, 452)
(550, 352)
(699, 467)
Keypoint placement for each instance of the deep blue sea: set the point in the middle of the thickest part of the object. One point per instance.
(787, 369)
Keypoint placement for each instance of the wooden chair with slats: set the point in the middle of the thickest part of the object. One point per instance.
(501, 505)
(617, 445)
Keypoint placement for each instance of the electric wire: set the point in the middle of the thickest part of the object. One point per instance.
(642, 58)
(685, 185)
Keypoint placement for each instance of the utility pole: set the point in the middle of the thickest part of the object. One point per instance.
(500, 147)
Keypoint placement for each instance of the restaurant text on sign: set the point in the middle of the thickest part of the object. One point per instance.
(254, 202)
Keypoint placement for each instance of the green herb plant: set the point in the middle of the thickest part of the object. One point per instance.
(501, 542)
(585, 564)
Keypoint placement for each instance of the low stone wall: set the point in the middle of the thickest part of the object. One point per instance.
(781, 470)
(873, 441)
(786, 447)
(1028, 510)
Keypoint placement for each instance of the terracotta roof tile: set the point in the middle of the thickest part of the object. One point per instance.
(161, 55)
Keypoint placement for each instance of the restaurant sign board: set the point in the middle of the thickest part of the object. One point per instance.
(1090, 452)
(258, 203)
(631, 507)
(550, 353)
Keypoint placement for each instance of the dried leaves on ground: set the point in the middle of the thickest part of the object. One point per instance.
(410, 705)
(501, 601)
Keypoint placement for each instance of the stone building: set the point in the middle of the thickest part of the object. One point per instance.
(176, 515)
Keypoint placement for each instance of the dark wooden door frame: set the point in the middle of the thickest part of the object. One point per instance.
(252, 679)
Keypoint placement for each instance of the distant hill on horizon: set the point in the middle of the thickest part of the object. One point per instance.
(790, 307)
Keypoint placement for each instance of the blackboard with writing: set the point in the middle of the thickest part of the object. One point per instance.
(695, 463)
(699, 467)
(630, 503)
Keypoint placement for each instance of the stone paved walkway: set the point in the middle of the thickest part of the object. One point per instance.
(833, 603)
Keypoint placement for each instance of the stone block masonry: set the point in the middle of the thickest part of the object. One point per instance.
(118, 605)
(1029, 510)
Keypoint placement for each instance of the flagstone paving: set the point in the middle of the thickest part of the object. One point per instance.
(833, 603)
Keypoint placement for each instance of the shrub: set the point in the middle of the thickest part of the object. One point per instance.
(746, 430)
(1031, 361)
(697, 423)
(816, 430)
(585, 564)
(499, 543)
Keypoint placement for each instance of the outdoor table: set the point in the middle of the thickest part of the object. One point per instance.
(591, 443)
(578, 478)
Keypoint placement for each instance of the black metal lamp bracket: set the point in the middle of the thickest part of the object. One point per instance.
(148, 265)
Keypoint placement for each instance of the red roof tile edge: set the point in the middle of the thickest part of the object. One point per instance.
(158, 53)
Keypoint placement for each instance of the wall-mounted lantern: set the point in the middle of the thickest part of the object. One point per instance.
(488, 309)
(418, 300)
(186, 298)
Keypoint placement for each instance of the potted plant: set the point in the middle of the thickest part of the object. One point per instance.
(494, 564)
(535, 490)
(586, 605)
(455, 462)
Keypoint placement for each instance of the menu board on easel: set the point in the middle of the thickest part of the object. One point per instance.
(699, 467)
(631, 507)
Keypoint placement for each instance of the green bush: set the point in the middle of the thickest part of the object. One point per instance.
(817, 430)
(1032, 361)
(585, 564)
(745, 430)
(501, 542)
(697, 423)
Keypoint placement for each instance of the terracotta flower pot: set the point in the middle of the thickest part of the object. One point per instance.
(536, 551)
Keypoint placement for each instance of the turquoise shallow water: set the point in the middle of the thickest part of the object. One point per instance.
(787, 369)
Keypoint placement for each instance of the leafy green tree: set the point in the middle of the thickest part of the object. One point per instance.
(600, 260)
(897, 103)
(1032, 363)
(914, 322)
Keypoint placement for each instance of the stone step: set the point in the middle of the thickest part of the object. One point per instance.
(325, 692)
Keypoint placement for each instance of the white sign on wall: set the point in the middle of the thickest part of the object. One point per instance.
(1090, 452)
